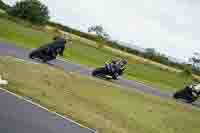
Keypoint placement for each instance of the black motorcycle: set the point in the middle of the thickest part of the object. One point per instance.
(47, 53)
(43, 54)
(109, 71)
(188, 94)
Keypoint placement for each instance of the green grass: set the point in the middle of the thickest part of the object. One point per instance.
(86, 54)
(98, 104)
(2, 11)
(81, 52)
(21, 35)
(157, 77)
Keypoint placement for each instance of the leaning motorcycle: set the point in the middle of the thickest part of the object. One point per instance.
(108, 71)
(189, 94)
(43, 54)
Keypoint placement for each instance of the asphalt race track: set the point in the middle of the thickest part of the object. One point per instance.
(20, 116)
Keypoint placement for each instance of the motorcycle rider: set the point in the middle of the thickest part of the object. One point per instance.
(57, 46)
(118, 66)
(112, 68)
(51, 50)
(196, 88)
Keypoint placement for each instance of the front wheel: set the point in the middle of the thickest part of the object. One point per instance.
(115, 76)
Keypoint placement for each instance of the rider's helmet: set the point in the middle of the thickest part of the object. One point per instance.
(60, 38)
(56, 38)
(196, 87)
(122, 63)
(114, 61)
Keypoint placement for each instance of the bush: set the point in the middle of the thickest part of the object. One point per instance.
(187, 72)
(31, 10)
(3, 5)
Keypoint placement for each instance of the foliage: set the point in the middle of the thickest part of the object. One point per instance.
(195, 63)
(99, 31)
(195, 60)
(31, 10)
(3, 5)
(74, 31)
(187, 71)
(149, 54)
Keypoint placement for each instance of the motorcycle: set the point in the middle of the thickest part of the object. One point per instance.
(108, 71)
(46, 53)
(189, 94)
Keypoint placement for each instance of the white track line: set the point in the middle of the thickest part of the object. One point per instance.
(69, 61)
(40, 106)
(61, 59)
(27, 61)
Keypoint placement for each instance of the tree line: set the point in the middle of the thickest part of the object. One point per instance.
(3, 5)
(30, 10)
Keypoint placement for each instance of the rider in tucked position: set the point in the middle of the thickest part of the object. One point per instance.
(56, 47)
(190, 93)
(116, 67)
(119, 66)
(196, 88)
(50, 51)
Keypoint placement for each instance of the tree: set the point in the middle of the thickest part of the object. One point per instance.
(150, 53)
(3, 5)
(195, 60)
(31, 10)
(99, 31)
(102, 36)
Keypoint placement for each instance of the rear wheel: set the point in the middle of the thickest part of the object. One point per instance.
(184, 96)
(38, 55)
(32, 55)
(176, 95)
(98, 71)
(44, 60)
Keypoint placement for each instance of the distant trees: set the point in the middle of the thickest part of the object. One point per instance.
(74, 31)
(195, 63)
(195, 60)
(3, 5)
(31, 10)
(102, 36)
(99, 31)
(150, 52)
